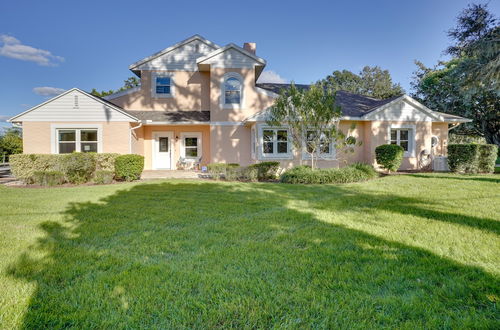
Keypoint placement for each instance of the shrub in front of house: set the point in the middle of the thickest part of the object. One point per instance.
(305, 175)
(487, 158)
(103, 177)
(105, 161)
(48, 178)
(242, 173)
(266, 171)
(463, 158)
(23, 166)
(78, 167)
(389, 156)
(129, 167)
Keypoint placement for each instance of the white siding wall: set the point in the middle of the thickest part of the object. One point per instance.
(63, 109)
(231, 58)
(181, 58)
(401, 111)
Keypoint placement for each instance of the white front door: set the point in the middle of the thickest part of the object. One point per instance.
(162, 150)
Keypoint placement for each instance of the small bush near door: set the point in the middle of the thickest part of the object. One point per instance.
(389, 156)
(129, 167)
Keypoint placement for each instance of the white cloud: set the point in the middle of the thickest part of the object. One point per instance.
(4, 118)
(13, 48)
(48, 91)
(271, 77)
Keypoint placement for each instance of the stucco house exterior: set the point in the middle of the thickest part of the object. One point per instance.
(200, 103)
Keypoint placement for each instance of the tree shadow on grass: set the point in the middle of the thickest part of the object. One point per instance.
(170, 255)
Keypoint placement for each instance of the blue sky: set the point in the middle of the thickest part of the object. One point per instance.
(87, 44)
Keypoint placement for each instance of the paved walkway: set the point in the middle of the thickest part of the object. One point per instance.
(172, 174)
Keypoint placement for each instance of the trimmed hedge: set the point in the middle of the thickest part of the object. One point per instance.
(389, 156)
(76, 167)
(48, 178)
(129, 167)
(305, 175)
(266, 170)
(472, 158)
(487, 158)
(247, 174)
(103, 177)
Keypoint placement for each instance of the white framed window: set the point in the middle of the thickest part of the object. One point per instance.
(162, 85)
(253, 142)
(404, 136)
(232, 90)
(275, 142)
(326, 149)
(191, 146)
(77, 140)
(67, 138)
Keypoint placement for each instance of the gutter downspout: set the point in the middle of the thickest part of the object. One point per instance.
(130, 136)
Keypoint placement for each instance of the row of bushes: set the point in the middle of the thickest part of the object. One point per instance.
(305, 175)
(265, 171)
(472, 158)
(76, 168)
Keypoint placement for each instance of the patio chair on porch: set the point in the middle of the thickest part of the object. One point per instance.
(189, 164)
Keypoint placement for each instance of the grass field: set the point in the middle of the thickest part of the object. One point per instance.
(404, 251)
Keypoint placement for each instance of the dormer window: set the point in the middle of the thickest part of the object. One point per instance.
(232, 90)
(163, 85)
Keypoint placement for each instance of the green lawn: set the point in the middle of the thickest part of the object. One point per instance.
(419, 251)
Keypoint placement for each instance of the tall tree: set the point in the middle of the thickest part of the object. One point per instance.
(130, 82)
(11, 142)
(467, 85)
(312, 118)
(371, 81)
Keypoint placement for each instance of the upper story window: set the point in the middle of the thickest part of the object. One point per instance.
(232, 90)
(163, 85)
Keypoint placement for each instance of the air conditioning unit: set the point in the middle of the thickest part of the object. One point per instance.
(440, 164)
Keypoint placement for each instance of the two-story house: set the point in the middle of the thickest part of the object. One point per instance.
(200, 103)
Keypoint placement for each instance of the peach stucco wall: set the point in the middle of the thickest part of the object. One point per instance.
(191, 92)
(37, 136)
(441, 131)
(146, 135)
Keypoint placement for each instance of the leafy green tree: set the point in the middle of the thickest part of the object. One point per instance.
(11, 142)
(312, 118)
(371, 81)
(130, 82)
(467, 85)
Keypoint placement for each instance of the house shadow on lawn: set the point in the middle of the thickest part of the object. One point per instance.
(204, 255)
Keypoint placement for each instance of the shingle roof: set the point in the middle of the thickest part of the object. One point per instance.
(171, 116)
(353, 105)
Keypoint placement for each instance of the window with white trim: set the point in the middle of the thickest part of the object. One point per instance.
(326, 147)
(401, 137)
(163, 85)
(191, 146)
(275, 142)
(232, 90)
(77, 140)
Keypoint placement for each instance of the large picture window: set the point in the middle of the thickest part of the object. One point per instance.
(77, 140)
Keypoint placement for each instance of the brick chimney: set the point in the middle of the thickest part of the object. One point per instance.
(250, 47)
